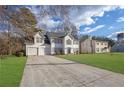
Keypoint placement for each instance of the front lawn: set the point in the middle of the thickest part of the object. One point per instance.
(110, 61)
(11, 70)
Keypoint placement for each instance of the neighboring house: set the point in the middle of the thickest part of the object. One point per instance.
(94, 46)
(52, 43)
(119, 45)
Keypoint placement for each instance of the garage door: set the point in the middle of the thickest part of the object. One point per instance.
(41, 51)
(32, 51)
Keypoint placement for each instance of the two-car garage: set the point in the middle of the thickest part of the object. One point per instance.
(33, 50)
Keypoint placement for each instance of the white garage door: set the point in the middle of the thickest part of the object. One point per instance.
(32, 51)
(41, 51)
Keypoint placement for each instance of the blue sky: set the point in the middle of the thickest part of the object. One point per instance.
(111, 23)
(95, 20)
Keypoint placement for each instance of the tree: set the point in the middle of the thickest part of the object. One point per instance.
(25, 20)
(62, 12)
(3, 44)
(84, 37)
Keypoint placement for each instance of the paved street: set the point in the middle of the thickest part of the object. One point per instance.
(50, 71)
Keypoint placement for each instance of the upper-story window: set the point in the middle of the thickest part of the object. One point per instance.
(75, 42)
(97, 43)
(101, 43)
(68, 42)
(105, 44)
(38, 40)
(97, 49)
(59, 41)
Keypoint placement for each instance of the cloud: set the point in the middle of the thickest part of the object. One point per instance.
(49, 22)
(111, 27)
(89, 30)
(77, 15)
(120, 19)
(87, 14)
(114, 34)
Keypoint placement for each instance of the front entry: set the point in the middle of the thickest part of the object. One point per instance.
(69, 50)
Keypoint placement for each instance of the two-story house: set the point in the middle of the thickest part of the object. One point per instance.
(94, 46)
(52, 43)
(119, 45)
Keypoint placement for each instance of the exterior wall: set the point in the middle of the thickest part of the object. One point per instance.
(94, 46)
(118, 47)
(38, 36)
(55, 46)
(52, 46)
(120, 37)
(101, 47)
(73, 47)
(38, 46)
(76, 48)
(86, 46)
(47, 50)
(64, 46)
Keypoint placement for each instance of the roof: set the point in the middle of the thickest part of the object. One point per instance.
(56, 34)
(60, 35)
(40, 33)
(100, 40)
(49, 35)
(29, 42)
(94, 40)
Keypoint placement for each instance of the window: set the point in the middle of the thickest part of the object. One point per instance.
(75, 42)
(97, 49)
(58, 41)
(105, 44)
(39, 40)
(97, 43)
(53, 40)
(68, 42)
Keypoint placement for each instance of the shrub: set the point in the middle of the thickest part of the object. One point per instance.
(19, 54)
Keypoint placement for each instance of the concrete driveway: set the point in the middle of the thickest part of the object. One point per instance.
(50, 71)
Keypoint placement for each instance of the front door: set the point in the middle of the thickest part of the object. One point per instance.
(69, 50)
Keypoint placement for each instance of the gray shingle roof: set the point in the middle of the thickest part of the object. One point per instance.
(56, 34)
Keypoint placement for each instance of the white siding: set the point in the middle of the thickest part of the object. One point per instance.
(35, 39)
(74, 47)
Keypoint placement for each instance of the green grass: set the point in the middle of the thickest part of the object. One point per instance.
(11, 70)
(110, 61)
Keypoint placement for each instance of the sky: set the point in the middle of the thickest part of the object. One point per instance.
(105, 21)
(95, 20)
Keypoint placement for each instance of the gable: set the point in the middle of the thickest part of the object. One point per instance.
(37, 35)
(68, 37)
